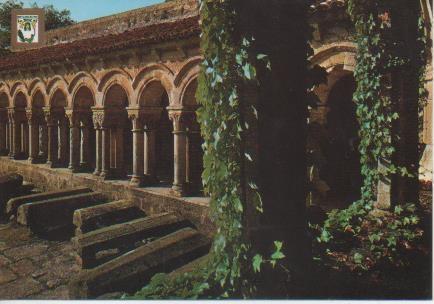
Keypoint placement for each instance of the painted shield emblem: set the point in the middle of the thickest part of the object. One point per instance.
(27, 29)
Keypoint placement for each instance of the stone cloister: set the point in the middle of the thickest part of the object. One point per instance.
(114, 122)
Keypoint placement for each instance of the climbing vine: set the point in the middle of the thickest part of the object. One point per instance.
(382, 50)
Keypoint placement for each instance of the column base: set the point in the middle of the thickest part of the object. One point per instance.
(96, 172)
(74, 169)
(178, 191)
(32, 160)
(105, 175)
(136, 181)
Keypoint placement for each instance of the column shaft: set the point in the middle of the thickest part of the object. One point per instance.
(137, 178)
(98, 152)
(105, 152)
(150, 163)
(74, 148)
(33, 141)
(179, 161)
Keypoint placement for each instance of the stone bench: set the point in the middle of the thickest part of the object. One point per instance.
(100, 216)
(133, 270)
(123, 237)
(56, 213)
(13, 204)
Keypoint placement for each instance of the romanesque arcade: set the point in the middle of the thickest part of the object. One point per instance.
(116, 124)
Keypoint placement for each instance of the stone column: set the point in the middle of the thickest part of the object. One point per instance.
(7, 137)
(51, 142)
(84, 147)
(150, 163)
(137, 178)
(98, 118)
(11, 137)
(43, 141)
(74, 148)
(105, 151)
(33, 137)
(179, 153)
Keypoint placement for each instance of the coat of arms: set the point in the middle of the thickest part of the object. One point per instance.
(27, 28)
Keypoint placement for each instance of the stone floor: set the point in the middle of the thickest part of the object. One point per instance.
(32, 268)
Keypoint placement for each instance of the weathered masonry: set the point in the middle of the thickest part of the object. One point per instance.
(115, 97)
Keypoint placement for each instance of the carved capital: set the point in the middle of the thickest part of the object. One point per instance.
(98, 117)
(182, 120)
(73, 119)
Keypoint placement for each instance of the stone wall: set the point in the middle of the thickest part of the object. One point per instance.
(119, 23)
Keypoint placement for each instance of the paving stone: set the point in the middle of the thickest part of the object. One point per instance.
(20, 289)
(4, 261)
(24, 267)
(6, 275)
(60, 293)
(25, 251)
(38, 274)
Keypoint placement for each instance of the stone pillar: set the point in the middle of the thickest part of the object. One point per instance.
(84, 147)
(43, 141)
(74, 147)
(137, 178)
(7, 137)
(105, 152)
(150, 163)
(179, 153)
(98, 118)
(51, 139)
(33, 138)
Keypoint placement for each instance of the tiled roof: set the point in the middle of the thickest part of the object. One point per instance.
(183, 28)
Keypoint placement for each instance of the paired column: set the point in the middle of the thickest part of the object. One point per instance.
(33, 137)
(84, 146)
(74, 146)
(138, 177)
(178, 118)
(3, 133)
(51, 138)
(105, 152)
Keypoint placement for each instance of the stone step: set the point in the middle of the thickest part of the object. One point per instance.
(9, 186)
(118, 239)
(193, 265)
(100, 216)
(14, 203)
(43, 215)
(134, 269)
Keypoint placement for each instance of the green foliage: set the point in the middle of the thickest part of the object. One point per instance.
(381, 51)
(53, 19)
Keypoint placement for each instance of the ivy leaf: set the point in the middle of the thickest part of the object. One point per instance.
(278, 255)
(257, 261)
(358, 258)
(278, 245)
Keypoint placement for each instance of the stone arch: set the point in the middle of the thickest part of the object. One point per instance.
(192, 65)
(35, 84)
(82, 95)
(155, 71)
(56, 82)
(82, 78)
(4, 99)
(188, 91)
(18, 86)
(20, 99)
(58, 98)
(119, 75)
(334, 55)
(116, 95)
(38, 99)
(151, 94)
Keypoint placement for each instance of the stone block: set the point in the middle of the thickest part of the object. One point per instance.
(100, 216)
(13, 204)
(134, 269)
(124, 236)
